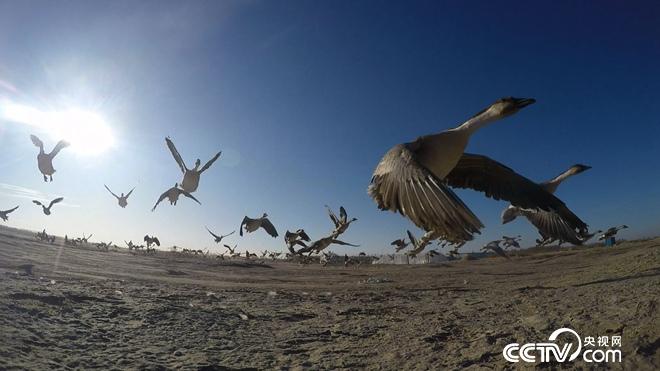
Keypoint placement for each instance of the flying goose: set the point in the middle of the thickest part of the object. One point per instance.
(550, 225)
(230, 249)
(295, 238)
(414, 179)
(217, 238)
(173, 194)
(190, 176)
(418, 245)
(341, 223)
(45, 160)
(511, 241)
(47, 209)
(123, 199)
(4, 215)
(320, 245)
(400, 244)
(495, 247)
(252, 225)
(151, 240)
(611, 232)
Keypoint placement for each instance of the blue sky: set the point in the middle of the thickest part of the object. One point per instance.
(303, 98)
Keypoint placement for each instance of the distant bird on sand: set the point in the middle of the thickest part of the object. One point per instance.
(173, 194)
(47, 209)
(217, 238)
(400, 244)
(495, 247)
(295, 238)
(611, 232)
(341, 223)
(123, 199)
(4, 215)
(151, 240)
(45, 160)
(252, 225)
(414, 179)
(551, 226)
(190, 176)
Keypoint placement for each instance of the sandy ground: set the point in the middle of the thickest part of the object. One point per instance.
(81, 309)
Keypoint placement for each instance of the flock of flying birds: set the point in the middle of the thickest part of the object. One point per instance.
(414, 179)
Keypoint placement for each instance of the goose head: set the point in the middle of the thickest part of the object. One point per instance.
(265, 215)
(509, 214)
(504, 107)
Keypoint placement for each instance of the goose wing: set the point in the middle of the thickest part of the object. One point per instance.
(502, 183)
(269, 227)
(58, 147)
(112, 193)
(229, 234)
(243, 222)
(332, 215)
(210, 162)
(156, 241)
(187, 194)
(338, 242)
(37, 142)
(9, 211)
(551, 225)
(161, 198)
(37, 202)
(59, 199)
(343, 216)
(176, 155)
(401, 184)
(128, 194)
(303, 235)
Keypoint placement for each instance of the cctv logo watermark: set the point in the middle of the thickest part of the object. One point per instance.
(570, 351)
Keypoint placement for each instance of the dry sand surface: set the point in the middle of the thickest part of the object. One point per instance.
(83, 308)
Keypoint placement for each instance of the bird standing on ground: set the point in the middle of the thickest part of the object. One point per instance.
(47, 209)
(217, 238)
(173, 194)
(45, 160)
(252, 225)
(123, 199)
(190, 176)
(4, 215)
(414, 179)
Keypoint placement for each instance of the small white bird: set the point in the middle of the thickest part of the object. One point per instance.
(47, 209)
(123, 199)
(45, 160)
(190, 176)
(4, 214)
(173, 194)
(252, 225)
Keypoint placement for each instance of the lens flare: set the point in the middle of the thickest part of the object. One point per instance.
(86, 131)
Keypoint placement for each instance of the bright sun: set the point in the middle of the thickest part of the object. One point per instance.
(86, 131)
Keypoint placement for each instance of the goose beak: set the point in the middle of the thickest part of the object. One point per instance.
(523, 102)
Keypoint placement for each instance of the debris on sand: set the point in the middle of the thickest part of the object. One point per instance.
(376, 280)
(272, 293)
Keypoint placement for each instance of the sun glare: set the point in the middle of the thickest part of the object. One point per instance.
(86, 131)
